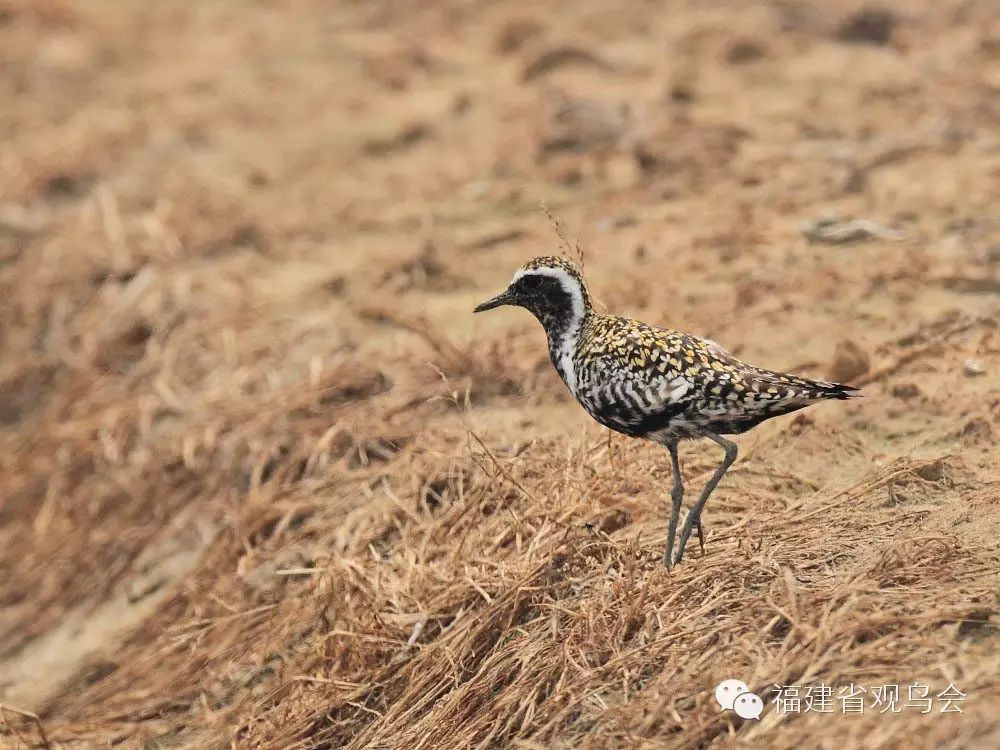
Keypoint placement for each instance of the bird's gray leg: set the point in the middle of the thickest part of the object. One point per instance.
(694, 516)
(676, 495)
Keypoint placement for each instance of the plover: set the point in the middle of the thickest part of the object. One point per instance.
(653, 383)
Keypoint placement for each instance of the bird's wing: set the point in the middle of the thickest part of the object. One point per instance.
(641, 376)
(652, 377)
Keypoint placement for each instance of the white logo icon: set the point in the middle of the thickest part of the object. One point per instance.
(748, 706)
(734, 695)
(727, 691)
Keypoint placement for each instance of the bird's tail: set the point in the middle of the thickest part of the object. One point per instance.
(778, 393)
(838, 390)
(808, 388)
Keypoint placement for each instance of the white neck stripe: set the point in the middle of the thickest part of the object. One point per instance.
(565, 346)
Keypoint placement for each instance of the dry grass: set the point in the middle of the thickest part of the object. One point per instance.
(265, 482)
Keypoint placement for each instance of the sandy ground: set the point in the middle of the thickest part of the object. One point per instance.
(266, 482)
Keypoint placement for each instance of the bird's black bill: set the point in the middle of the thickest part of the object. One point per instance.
(499, 301)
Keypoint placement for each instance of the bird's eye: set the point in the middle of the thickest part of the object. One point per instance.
(531, 282)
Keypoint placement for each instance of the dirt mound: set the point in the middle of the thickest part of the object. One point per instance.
(266, 482)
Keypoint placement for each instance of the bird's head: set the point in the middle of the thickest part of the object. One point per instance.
(551, 288)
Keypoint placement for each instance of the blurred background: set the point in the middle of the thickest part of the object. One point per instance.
(264, 481)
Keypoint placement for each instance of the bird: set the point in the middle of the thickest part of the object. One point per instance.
(654, 383)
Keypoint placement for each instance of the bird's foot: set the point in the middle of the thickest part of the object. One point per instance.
(670, 560)
(694, 522)
(668, 554)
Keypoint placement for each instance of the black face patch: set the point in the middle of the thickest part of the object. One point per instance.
(546, 298)
(537, 284)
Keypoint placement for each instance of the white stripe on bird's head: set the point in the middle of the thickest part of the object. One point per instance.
(571, 283)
